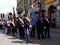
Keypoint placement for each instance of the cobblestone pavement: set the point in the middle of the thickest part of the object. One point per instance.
(10, 40)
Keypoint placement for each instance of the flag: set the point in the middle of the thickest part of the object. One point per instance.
(40, 13)
(14, 15)
(34, 15)
(40, 10)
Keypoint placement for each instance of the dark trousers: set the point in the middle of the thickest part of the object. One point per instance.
(33, 31)
(21, 33)
(8, 29)
(40, 32)
(47, 32)
(0, 26)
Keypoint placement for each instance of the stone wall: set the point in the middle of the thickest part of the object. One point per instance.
(55, 3)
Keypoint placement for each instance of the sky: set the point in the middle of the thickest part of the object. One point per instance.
(7, 6)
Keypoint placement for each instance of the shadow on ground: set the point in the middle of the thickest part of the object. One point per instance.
(54, 40)
(51, 41)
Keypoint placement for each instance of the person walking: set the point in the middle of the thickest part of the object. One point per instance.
(13, 27)
(28, 28)
(8, 27)
(39, 26)
(46, 27)
(21, 26)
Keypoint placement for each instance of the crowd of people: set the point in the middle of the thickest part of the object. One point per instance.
(25, 28)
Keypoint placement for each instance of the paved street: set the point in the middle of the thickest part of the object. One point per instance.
(9, 40)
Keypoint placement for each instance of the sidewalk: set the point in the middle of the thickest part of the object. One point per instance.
(10, 40)
(55, 30)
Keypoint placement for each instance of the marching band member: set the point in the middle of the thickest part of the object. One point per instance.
(21, 26)
(28, 27)
(13, 27)
(8, 26)
(39, 25)
(46, 27)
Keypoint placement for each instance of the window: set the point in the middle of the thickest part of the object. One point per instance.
(24, 3)
(27, 2)
(35, 0)
(30, 2)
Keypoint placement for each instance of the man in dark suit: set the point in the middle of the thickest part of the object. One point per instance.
(46, 27)
(21, 26)
(39, 25)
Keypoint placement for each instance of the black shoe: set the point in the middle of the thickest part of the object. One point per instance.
(29, 41)
(42, 38)
(20, 38)
(38, 38)
(26, 42)
(45, 37)
(33, 36)
(7, 33)
(23, 37)
(48, 37)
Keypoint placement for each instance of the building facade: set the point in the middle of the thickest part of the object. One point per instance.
(21, 4)
(46, 4)
(48, 7)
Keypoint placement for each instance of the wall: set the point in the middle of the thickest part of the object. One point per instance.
(55, 3)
